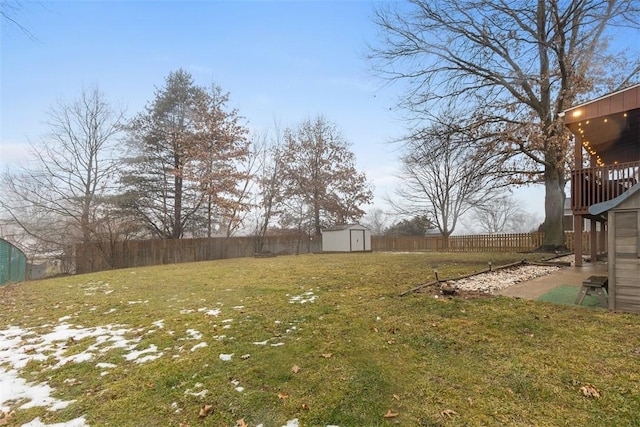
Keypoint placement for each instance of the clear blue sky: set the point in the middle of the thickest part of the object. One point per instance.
(280, 60)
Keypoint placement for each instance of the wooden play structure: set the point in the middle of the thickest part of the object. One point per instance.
(605, 188)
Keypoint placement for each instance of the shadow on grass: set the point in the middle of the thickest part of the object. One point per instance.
(566, 295)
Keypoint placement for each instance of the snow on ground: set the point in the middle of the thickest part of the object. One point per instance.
(48, 344)
(302, 299)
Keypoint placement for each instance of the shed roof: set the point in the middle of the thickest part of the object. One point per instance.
(603, 207)
(341, 227)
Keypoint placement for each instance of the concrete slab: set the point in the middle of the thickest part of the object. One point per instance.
(572, 276)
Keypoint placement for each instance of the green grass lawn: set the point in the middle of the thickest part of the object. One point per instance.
(324, 339)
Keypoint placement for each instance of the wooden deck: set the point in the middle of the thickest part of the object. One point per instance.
(599, 184)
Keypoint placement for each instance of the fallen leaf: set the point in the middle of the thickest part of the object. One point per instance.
(305, 406)
(295, 369)
(327, 355)
(448, 413)
(184, 425)
(390, 414)
(470, 400)
(241, 423)
(206, 410)
(282, 395)
(391, 341)
(396, 397)
(5, 417)
(589, 390)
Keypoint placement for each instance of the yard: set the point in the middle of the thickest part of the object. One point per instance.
(313, 340)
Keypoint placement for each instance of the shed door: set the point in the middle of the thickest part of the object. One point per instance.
(357, 240)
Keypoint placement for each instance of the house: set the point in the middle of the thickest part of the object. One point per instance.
(346, 238)
(607, 158)
(567, 220)
(623, 219)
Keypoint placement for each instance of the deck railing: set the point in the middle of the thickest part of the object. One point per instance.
(599, 184)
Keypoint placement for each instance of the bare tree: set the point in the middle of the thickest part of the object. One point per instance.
(377, 220)
(58, 198)
(500, 215)
(443, 175)
(318, 170)
(9, 12)
(268, 179)
(517, 64)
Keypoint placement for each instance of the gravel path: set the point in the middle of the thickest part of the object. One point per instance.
(494, 281)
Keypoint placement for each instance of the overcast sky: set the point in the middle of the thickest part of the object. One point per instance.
(282, 61)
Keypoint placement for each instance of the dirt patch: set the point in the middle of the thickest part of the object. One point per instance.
(442, 290)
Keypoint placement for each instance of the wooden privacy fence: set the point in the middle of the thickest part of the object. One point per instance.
(519, 242)
(138, 253)
(472, 243)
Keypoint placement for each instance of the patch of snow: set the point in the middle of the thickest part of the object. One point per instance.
(133, 355)
(76, 358)
(104, 365)
(261, 342)
(226, 357)
(159, 323)
(210, 312)
(76, 422)
(278, 344)
(196, 335)
(237, 386)
(303, 298)
(148, 358)
(197, 346)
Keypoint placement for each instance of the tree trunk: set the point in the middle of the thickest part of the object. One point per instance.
(177, 207)
(554, 183)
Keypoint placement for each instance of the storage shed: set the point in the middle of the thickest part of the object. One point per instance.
(623, 217)
(346, 238)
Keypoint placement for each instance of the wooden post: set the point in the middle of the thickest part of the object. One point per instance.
(577, 239)
(611, 259)
(578, 221)
(593, 241)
